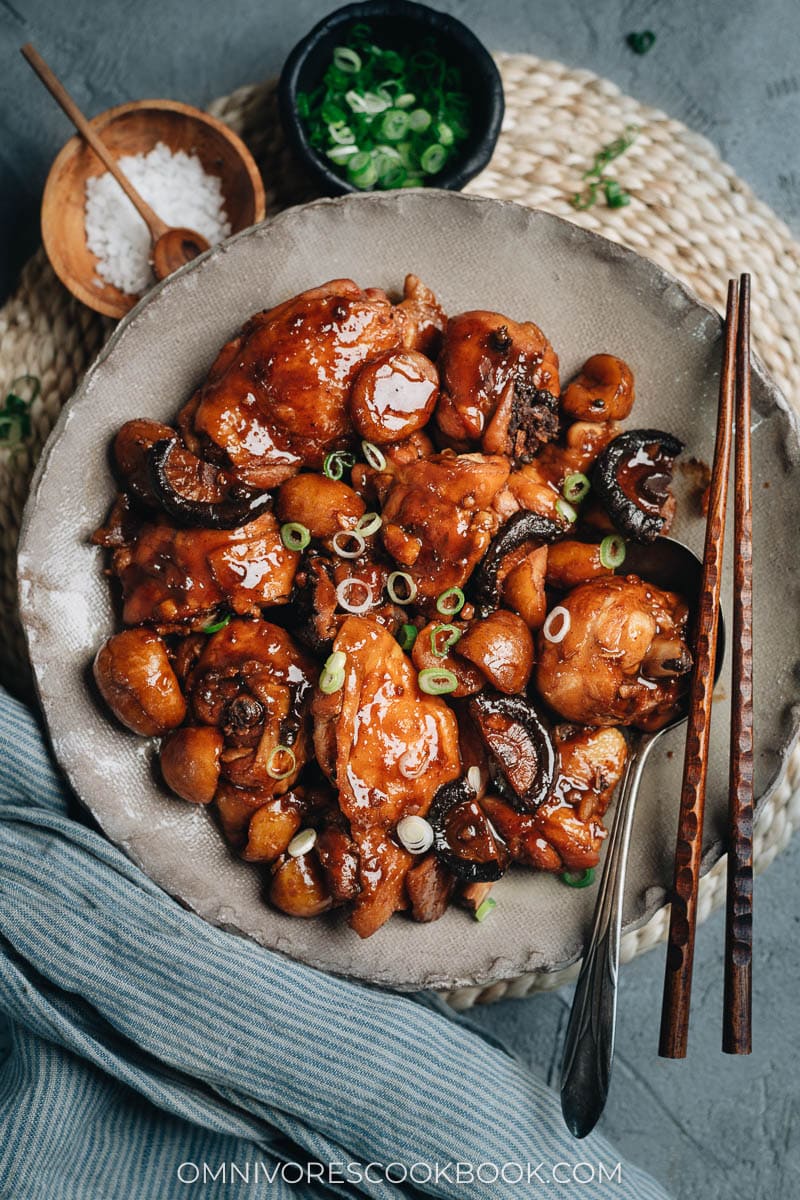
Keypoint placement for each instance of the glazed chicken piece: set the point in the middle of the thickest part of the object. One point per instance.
(499, 384)
(614, 652)
(171, 577)
(536, 486)
(421, 318)
(566, 832)
(276, 399)
(253, 683)
(387, 747)
(437, 518)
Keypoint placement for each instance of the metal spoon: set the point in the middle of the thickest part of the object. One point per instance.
(172, 246)
(589, 1042)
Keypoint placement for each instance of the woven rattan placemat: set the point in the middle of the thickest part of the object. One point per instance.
(689, 212)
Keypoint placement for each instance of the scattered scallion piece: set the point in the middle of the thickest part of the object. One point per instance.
(616, 196)
(295, 536)
(337, 462)
(406, 636)
(450, 602)
(409, 587)
(15, 414)
(612, 551)
(375, 457)
(640, 43)
(368, 524)
(436, 681)
(578, 879)
(372, 99)
(484, 908)
(287, 754)
(566, 511)
(576, 487)
(440, 646)
(332, 675)
(217, 625)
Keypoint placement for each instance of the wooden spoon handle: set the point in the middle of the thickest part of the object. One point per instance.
(62, 97)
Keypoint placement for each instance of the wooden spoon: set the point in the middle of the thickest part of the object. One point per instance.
(172, 246)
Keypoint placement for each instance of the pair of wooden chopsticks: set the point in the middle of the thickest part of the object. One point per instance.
(734, 404)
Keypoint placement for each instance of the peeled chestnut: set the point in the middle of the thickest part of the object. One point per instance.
(137, 682)
(190, 762)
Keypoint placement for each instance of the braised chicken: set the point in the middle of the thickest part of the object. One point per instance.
(372, 560)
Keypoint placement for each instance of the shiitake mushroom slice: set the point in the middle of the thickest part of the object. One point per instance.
(520, 528)
(520, 746)
(236, 505)
(463, 837)
(631, 480)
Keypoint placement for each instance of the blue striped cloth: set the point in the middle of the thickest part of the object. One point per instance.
(151, 1056)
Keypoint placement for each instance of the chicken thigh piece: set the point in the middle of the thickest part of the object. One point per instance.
(614, 652)
(437, 517)
(173, 578)
(499, 384)
(276, 398)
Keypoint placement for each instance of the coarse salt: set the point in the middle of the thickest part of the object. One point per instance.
(175, 186)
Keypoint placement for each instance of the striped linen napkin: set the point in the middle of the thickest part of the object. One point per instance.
(151, 1056)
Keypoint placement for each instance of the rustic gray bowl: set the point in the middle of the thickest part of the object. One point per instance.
(589, 295)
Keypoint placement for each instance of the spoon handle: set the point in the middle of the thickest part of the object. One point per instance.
(589, 1042)
(62, 97)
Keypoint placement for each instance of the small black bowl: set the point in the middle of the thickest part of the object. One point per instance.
(396, 23)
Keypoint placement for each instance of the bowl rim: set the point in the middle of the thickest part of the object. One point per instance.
(51, 195)
(475, 156)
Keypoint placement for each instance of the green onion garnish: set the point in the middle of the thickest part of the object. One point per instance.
(436, 681)
(332, 676)
(274, 770)
(368, 524)
(640, 43)
(373, 98)
(576, 486)
(295, 536)
(578, 879)
(375, 457)
(612, 551)
(217, 625)
(409, 587)
(450, 602)
(15, 416)
(615, 196)
(336, 463)
(566, 511)
(483, 909)
(439, 647)
(406, 636)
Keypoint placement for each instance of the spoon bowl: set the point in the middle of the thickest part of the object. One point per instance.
(175, 248)
(589, 1041)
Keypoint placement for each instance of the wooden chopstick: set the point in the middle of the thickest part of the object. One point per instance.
(737, 1009)
(680, 944)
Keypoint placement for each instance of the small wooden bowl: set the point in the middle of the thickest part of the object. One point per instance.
(134, 129)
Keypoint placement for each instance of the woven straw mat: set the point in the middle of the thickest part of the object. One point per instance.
(689, 212)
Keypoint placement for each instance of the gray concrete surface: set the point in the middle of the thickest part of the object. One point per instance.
(710, 1126)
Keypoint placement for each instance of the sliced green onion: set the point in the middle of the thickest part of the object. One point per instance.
(436, 681)
(344, 589)
(410, 587)
(612, 551)
(406, 100)
(483, 909)
(566, 511)
(274, 770)
(343, 135)
(450, 602)
(301, 843)
(433, 159)
(406, 636)
(335, 463)
(394, 176)
(343, 543)
(362, 170)
(15, 416)
(440, 648)
(295, 536)
(375, 457)
(394, 124)
(347, 60)
(616, 197)
(419, 120)
(217, 625)
(578, 879)
(576, 486)
(340, 154)
(444, 133)
(368, 524)
(332, 676)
